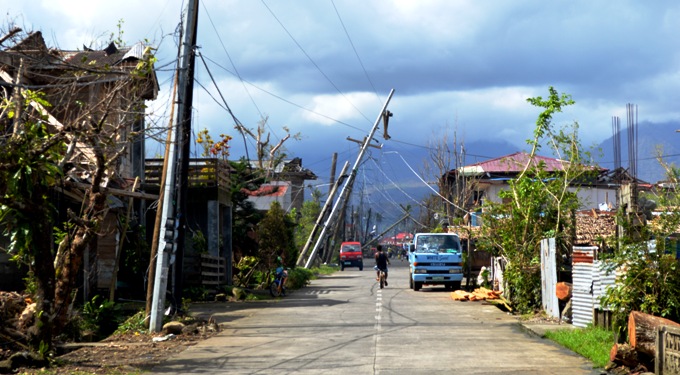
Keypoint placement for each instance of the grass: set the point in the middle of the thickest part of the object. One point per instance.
(325, 269)
(593, 343)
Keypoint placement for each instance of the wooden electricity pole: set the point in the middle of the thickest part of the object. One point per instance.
(384, 115)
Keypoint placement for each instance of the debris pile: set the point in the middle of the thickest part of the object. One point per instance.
(479, 294)
(638, 354)
(16, 315)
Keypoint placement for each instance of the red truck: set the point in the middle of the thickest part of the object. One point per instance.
(351, 256)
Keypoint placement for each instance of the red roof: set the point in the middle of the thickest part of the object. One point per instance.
(516, 162)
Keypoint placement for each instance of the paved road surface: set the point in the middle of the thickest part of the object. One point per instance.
(345, 324)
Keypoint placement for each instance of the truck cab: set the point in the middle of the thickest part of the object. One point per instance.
(351, 255)
(435, 259)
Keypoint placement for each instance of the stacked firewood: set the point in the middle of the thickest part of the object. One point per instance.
(638, 354)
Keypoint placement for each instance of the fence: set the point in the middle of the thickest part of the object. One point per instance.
(549, 278)
(213, 271)
(591, 281)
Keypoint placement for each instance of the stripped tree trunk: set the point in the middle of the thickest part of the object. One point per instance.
(642, 329)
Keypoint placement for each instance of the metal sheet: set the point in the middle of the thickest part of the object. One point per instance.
(582, 294)
(549, 278)
(602, 281)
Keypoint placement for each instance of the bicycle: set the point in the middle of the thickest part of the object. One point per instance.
(383, 282)
(277, 287)
(382, 278)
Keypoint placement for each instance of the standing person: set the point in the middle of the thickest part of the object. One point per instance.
(381, 262)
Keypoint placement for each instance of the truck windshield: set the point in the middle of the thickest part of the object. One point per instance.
(438, 244)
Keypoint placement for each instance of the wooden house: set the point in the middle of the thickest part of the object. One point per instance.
(208, 258)
(104, 89)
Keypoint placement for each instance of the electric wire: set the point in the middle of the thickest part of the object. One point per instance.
(428, 185)
(355, 51)
(420, 204)
(286, 100)
(239, 126)
(233, 65)
(313, 62)
(398, 187)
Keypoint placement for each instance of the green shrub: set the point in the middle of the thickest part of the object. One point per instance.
(135, 323)
(299, 277)
(196, 293)
(100, 316)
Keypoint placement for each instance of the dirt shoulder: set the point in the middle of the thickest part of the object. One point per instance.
(119, 354)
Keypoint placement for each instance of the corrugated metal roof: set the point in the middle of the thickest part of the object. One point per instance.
(516, 163)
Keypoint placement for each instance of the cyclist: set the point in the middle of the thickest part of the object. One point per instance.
(381, 262)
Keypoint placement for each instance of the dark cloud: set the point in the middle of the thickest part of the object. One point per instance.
(468, 66)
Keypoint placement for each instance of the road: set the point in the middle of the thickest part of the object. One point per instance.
(345, 324)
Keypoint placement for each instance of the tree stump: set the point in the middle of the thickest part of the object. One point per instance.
(624, 354)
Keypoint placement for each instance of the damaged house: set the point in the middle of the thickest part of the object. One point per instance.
(96, 100)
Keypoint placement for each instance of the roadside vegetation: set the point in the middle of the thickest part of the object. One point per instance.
(592, 343)
(538, 204)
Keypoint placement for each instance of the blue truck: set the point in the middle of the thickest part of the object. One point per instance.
(435, 259)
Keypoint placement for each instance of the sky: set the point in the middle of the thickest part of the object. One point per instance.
(324, 69)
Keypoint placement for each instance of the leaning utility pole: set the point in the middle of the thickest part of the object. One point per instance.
(167, 243)
(370, 242)
(384, 114)
(322, 215)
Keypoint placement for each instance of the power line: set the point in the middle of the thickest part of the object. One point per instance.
(239, 126)
(428, 185)
(355, 50)
(313, 62)
(231, 61)
(286, 100)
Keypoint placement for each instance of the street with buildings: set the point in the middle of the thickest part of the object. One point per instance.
(345, 324)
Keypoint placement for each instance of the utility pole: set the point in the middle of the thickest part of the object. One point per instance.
(167, 243)
(334, 161)
(169, 150)
(384, 114)
(184, 124)
(322, 214)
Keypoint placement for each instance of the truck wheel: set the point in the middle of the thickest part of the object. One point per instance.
(361, 266)
(342, 267)
(417, 285)
(455, 285)
(410, 281)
